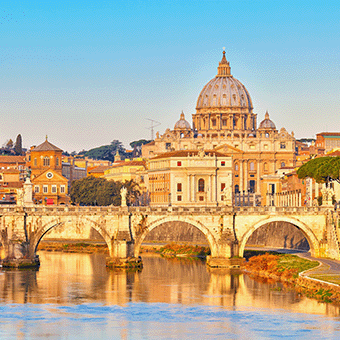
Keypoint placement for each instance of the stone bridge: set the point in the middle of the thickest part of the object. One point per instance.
(226, 229)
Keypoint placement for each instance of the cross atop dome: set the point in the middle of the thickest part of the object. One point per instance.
(223, 69)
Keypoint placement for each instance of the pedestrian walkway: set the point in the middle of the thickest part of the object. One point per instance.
(328, 271)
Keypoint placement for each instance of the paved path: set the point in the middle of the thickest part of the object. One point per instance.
(328, 271)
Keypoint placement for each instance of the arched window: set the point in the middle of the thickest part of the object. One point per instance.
(46, 161)
(201, 185)
(283, 164)
(236, 167)
(251, 166)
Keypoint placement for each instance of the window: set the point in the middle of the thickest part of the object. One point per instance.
(57, 161)
(213, 121)
(179, 163)
(251, 166)
(46, 161)
(265, 166)
(35, 162)
(54, 189)
(45, 189)
(223, 163)
(167, 146)
(179, 198)
(252, 186)
(222, 186)
(201, 198)
(201, 185)
(224, 122)
(236, 167)
(36, 188)
(283, 164)
(237, 188)
(179, 186)
(62, 189)
(267, 135)
(282, 145)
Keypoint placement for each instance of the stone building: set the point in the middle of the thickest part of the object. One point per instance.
(49, 185)
(225, 122)
(180, 178)
(328, 140)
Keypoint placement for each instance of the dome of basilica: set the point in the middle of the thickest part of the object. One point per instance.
(224, 91)
(182, 124)
(267, 123)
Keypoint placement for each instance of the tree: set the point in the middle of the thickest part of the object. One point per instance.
(9, 145)
(18, 145)
(99, 191)
(322, 169)
(140, 142)
(137, 146)
(106, 152)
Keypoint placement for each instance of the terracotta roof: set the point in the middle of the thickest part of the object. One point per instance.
(186, 153)
(128, 163)
(9, 171)
(334, 153)
(12, 159)
(99, 169)
(46, 146)
(328, 134)
(11, 185)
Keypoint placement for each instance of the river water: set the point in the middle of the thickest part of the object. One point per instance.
(73, 296)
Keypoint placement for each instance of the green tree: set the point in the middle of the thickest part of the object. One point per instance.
(106, 152)
(18, 145)
(140, 142)
(322, 169)
(99, 191)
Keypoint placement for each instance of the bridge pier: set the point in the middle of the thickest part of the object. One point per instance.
(16, 254)
(227, 257)
(123, 255)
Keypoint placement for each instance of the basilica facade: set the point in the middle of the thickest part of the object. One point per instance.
(224, 122)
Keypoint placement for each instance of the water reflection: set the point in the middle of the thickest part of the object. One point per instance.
(83, 278)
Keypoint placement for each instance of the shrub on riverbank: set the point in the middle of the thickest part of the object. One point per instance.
(280, 265)
(174, 249)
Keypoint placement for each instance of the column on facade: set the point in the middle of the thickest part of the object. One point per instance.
(213, 191)
(189, 188)
(193, 189)
(258, 187)
(310, 192)
(300, 198)
(246, 176)
(241, 175)
(316, 189)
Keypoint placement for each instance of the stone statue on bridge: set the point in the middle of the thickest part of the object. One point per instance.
(227, 195)
(327, 196)
(123, 193)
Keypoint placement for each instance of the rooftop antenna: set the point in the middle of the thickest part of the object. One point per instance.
(154, 123)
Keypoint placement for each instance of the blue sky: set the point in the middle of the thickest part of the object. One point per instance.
(86, 73)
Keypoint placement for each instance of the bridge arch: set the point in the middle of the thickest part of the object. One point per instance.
(307, 232)
(154, 224)
(38, 234)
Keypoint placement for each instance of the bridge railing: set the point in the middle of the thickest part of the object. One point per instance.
(161, 209)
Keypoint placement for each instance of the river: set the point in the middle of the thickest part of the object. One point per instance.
(74, 296)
